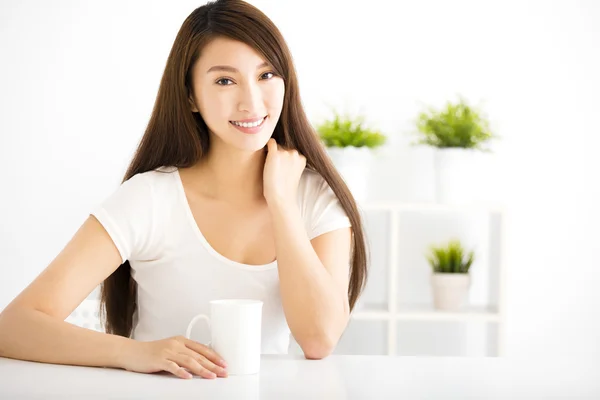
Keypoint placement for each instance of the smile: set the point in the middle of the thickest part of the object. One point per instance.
(252, 124)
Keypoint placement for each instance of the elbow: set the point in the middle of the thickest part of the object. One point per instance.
(317, 348)
(320, 341)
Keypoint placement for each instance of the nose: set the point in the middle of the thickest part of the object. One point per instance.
(250, 99)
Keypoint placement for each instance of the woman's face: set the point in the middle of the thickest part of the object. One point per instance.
(237, 94)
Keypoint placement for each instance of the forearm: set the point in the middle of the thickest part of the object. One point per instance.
(315, 307)
(34, 336)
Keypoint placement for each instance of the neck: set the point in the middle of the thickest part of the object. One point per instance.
(232, 175)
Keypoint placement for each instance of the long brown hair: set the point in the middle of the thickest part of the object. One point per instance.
(175, 136)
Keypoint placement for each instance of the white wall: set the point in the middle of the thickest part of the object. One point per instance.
(78, 80)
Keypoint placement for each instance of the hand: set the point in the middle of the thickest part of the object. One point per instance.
(281, 174)
(173, 355)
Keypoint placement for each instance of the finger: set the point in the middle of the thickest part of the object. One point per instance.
(176, 370)
(193, 366)
(205, 351)
(219, 371)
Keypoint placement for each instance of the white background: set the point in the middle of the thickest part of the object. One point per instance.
(78, 81)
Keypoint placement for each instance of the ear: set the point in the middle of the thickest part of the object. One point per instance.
(192, 103)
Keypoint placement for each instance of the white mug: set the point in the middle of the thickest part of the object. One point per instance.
(235, 331)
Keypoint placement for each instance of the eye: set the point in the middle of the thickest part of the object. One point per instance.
(224, 80)
(268, 73)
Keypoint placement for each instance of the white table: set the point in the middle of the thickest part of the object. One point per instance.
(336, 377)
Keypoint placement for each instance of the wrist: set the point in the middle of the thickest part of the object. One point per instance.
(279, 205)
(122, 351)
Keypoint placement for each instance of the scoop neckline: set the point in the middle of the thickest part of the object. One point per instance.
(202, 238)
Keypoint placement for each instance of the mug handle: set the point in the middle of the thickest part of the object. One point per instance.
(193, 322)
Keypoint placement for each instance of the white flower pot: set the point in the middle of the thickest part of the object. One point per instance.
(455, 170)
(354, 165)
(449, 290)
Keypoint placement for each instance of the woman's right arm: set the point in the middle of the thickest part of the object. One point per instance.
(33, 327)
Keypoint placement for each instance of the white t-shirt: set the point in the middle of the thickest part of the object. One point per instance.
(178, 272)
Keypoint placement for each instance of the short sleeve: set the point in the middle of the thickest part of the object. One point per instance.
(321, 209)
(127, 216)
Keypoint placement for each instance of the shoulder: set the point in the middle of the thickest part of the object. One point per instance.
(311, 183)
(130, 215)
(158, 176)
(142, 191)
(320, 207)
(313, 191)
(158, 182)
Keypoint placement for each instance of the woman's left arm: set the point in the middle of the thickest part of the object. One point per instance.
(313, 274)
(313, 279)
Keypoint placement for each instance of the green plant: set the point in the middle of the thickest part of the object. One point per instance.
(450, 258)
(343, 131)
(456, 125)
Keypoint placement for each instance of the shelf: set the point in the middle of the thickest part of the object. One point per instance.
(482, 223)
(401, 206)
(428, 313)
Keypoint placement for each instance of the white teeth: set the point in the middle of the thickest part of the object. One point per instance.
(248, 124)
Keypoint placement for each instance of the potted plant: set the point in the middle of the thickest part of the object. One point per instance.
(458, 133)
(450, 279)
(350, 145)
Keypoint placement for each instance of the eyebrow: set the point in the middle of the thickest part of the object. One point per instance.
(227, 68)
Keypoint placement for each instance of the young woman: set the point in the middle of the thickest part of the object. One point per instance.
(230, 195)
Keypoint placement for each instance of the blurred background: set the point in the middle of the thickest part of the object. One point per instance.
(78, 80)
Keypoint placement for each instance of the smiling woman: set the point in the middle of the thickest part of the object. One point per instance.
(229, 195)
(232, 84)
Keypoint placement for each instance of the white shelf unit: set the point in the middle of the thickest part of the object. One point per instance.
(394, 313)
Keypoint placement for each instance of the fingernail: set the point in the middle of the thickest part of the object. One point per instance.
(223, 363)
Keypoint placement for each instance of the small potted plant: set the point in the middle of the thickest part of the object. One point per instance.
(350, 145)
(457, 132)
(450, 279)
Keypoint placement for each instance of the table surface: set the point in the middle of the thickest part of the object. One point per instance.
(336, 377)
